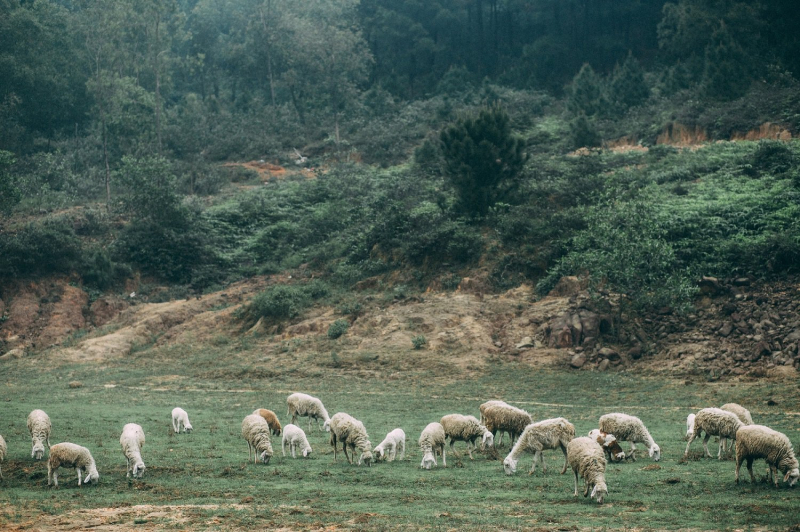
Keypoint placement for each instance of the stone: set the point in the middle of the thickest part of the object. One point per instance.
(567, 286)
(792, 336)
(578, 361)
(741, 281)
(709, 286)
(761, 349)
(525, 343)
(603, 365)
(76, 384)
(726, 329)
(564, 338)
(635, 352)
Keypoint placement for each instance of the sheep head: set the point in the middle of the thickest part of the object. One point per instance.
(138, 469)
(510, 466)
(599, 492)
(655, 452)
(38, 451)
(791, 476)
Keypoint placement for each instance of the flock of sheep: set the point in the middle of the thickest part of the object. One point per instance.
(587, 455)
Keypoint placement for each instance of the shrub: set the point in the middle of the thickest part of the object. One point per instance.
(419, 341)
(39, 249)
(772, 157)
(338, 328)
(276, 303)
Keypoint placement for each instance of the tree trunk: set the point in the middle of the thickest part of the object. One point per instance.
(269, 54)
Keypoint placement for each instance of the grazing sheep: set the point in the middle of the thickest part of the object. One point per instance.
(3, 451)
(350, 432)
(758, 441)
(499, 418)
(458, 427)
(630, 428)
(548, 434)
(610, 445)
(296, 438)
(741, 412)
(387, 449)
(255, 431)
(303, 405)
(488, 404)
(132, 441)
(180, 420)
(39, 427)
(585, 457)
(430, 441)
(271, 419)
(689, 426)
(715, 422)
(71, 455)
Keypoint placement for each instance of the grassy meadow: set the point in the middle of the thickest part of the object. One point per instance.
(206, 482)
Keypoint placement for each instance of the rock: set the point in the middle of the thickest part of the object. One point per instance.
(76, 384)
(741, 281)
(726, 329)
(728, 308)
(578, 361)
(635, 352)
(498, 344)
(793, 336)
(761, 349)
(710, 286)
(564, 338)
(567, 286)
(525, 343)
(603, 365)
(607, 352)
(14, 353)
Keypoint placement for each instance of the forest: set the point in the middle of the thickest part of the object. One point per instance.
(452, 123)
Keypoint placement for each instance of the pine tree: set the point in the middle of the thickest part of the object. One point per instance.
(628, 87)
(725, 76)
(482, 159)
(586, 94)
(583, 133)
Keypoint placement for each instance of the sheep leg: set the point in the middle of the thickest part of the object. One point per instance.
(564, 450)
(705, 445)
(293, 446)
(402, 450)
(333, 443)
(773, 474)
(633, 451)
(249, 451)
(541, 461)
(1, 473)
(78, 469)
(721, 448)
(55, 478)
(750, 469)
(691, 439)
(283, 447)
(533, 466)
(444, 460)
(576, 483)
(738, 465)
(344, 449)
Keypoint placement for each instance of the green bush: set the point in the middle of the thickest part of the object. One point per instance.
(276, 303)
(419, 341)
(39, 249)
(338, 328)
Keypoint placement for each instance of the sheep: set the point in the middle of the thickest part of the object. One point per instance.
(255, 430)
(741, 412)
(3, 451)
(180, 420)
(630, 428)
(537, 437)
(610, 445)
(715, 422)
(39, 427)
(271, 419)
(758, 441)
(430, 441)
(296, 438)
(303, 405)
(499, 418)
(71, 455)
(350, 432)
(488, 404)
(132, 441)
(585, 456)
(387, 449)
(458, 427)
(689, 426)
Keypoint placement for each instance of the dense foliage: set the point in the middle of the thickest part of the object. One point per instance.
(116, 119)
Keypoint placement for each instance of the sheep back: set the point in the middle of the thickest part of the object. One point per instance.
(459, 427)
(39, 427)
(717, 422)
(741, 412)
(256, 431)
(758, 441)
(303, 405)
(506, 418)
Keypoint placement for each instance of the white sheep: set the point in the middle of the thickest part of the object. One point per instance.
(255, 430)
(180, 420)
(630, 428)
(506, 418)
(610, 445)
(387, 449)
(757, 441)
(458, 427)
(585, 457)
(714, 422)
(71, 455)
(547, 434)
(304, 405)
(296, 438)
(741, 412)
(489, 404)
(39, 428)
(3, 452)
(431, 440)
(132, 441)
(350, 432)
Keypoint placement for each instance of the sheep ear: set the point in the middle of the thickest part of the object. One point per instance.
(594, 491)
(786, 478)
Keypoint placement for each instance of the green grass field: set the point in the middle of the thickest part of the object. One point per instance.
(206, 482)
